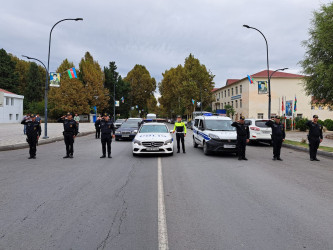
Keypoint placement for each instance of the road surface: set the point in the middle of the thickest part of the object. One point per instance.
(187, 201)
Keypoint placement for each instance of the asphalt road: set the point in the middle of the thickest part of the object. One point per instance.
(210, 202)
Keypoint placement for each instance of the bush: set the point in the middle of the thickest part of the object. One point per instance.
(327, 121)
(301, 124)
(329, 124)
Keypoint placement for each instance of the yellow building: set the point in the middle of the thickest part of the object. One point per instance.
(251, 100)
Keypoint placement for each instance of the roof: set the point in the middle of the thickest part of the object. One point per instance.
(231, 81)
(214, 89)
(5, 91)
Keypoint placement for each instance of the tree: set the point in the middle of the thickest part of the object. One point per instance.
(142, 86)
(9, 79)
(112, 78)
(71, 96)
(22, 69)
(93, 79)
(229, 110)
(318, 62)
(152, 105)
(183, 84)
(34, 88)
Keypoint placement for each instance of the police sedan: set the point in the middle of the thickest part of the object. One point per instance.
(153, 138)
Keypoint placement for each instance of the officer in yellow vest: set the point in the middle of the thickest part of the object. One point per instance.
(180, 130)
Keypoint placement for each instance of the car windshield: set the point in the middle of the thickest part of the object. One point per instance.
(219, 125)
(120, 120)
(129, 125)
(261, 123)
(154, 129)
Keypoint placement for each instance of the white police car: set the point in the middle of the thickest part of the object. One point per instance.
(214, 134)
(153, 138)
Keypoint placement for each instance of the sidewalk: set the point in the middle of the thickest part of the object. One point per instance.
(298, 136)
(12, 137)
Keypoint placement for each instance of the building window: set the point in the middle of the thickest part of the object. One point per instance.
(219, 95)
(240, 103)
(7, 101)
(228, 92)
(232, 91)
(312, 107)
(229, 103)
(10, 116)
(236, 90)
(232, 103)
(236, 104)
(260, 116)
(222, 105)
(240, 89)
(12, 101)
(17, 116)
(225, 93)
(320, 107)
(225, 104)
(299, 115)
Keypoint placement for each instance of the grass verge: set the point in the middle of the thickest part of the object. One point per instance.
(305, 145)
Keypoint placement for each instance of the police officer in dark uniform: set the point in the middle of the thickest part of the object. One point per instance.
(243, 137)
(107, 127)
(278, 136)
(97, 127)
(315, 137)
(70, 132)
(33, 131)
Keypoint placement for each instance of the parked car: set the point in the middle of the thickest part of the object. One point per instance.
(118, 123)
(127, 131)
(259, 132)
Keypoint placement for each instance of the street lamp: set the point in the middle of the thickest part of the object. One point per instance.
(268, 78)
(48, 68)
(283, 69)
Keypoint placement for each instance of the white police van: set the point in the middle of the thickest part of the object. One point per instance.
(214, 134)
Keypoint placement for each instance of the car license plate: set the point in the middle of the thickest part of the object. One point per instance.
(266, 132)
(153, 149)
(125, 135)
(229, 146)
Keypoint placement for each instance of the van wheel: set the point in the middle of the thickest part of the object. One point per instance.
(194, 143)
(205, 149)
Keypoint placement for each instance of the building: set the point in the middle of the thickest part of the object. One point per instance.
(251, 100)
(11, 107)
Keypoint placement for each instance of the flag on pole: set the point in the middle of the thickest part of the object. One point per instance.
(72, 73)
(122, 99)
(250, 79)
(193, 101)
(295, 107)
(282, 108)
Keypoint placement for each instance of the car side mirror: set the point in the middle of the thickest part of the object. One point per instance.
(171, 131)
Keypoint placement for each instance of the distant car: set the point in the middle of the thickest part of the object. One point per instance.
(127, 131)
(172, 121)
(259, 132)
(151, 116)
(118, 122)
(153, 138)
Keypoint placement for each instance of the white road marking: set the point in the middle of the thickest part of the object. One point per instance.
(162, 226)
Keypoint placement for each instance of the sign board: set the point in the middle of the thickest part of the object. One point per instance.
(262, 87)
(55, 79)
(117, 103)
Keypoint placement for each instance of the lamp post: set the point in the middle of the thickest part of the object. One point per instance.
(268, 77)
(283, 69)
(48, 68)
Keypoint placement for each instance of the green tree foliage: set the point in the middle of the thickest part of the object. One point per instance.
(142, 86)
(152, 105)
(112, 78)
(22, 69)
(229, 110)
(71, 96)
(318, 62)
(182, 84)
(34, 88)
(9, 79)
(93, 79)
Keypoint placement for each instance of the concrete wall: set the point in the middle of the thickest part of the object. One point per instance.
(11, 108)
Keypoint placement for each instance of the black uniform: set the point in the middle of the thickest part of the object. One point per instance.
(278, 134)
(70, 130)
(98, 129)
(243, 133)
(314, 136)
(106, 128)
(33, 130)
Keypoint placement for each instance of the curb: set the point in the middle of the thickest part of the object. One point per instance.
(41, 142)
(319, 152)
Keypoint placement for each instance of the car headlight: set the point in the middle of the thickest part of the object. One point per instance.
(118, 132)
(214, 136)
(168, 142)
(137, 142)
(134, 131)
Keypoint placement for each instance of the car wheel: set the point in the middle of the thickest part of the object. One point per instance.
(205, 148)
(194, 143)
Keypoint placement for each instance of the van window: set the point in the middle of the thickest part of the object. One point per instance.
(196, 122)
(261, 123)
(201, 124)
(248, 122)
(219, 125)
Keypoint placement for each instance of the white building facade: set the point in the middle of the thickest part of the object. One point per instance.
(11, 107)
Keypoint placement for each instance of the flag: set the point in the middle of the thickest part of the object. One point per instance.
(193, 101)
(72, 73)
(250, 79)
(295, 107)
(122, 99)
(282, 108)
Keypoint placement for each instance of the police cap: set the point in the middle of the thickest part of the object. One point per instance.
(242, 117)
(178, 116)
(69, 113)
(105, 114)
(32, 115)
(277, 117)
(315, 116)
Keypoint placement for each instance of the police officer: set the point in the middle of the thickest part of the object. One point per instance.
(70, 132)
(278, 136)
(315, 137)
(180, 130)
(33, 131)
(107, 127)
(97, 127)
(243, 137)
